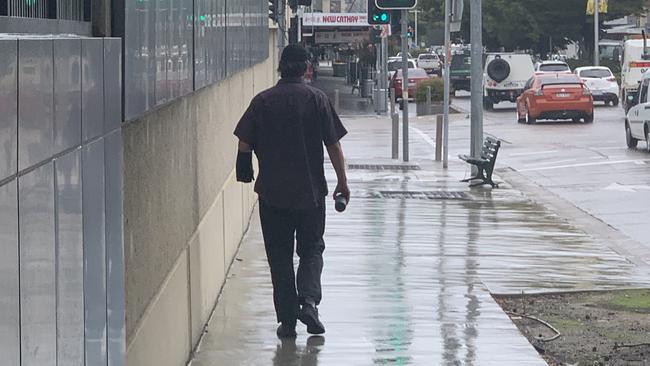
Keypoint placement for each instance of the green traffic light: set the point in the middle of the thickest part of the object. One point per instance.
(384, 17)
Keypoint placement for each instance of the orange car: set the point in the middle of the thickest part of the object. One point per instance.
(555, 96)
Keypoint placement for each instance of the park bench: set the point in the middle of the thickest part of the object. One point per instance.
(485, 163)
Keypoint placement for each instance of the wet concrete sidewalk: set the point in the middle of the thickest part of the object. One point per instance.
(408, 274)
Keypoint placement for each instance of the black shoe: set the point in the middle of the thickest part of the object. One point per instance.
(286, 330)
(308, 315)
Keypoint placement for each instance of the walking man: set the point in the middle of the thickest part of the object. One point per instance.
(286, 126)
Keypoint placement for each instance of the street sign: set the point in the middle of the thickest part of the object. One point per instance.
(377, 16)
(457, 8)
(396, 4)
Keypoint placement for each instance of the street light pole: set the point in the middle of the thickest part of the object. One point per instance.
(596, 33)
(476, 25)
(445, 142)
(405, 86)
(417, 45)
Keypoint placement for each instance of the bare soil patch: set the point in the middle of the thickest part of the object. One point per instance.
(596, 328)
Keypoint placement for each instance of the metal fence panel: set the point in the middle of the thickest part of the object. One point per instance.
(35, 101)
(175, 46)
(69, 260)
(52, 9)
(9, 276)
(9, 115)
(37, 267)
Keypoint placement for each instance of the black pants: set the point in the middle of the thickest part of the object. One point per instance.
(280, 227)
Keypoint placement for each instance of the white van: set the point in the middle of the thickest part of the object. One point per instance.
(634, 62)
(637, 122)
(505, 77)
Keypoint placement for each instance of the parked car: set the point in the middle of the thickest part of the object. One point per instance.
(505, 77)
(601, 81)
(635, 61)
(553, 67)
(408, 54)
(555, 96)
(430, 63)
(396, 64)
(460, 72)
(416, 76)
(637, 123)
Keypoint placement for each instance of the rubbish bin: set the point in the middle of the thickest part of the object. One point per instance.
(339, 69)
(366, 87)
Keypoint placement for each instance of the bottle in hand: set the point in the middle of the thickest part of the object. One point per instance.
(340, 203)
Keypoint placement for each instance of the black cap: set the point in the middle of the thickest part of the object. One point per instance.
(294, 53)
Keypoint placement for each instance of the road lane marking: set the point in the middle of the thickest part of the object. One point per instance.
(535, 153)
(584, 164)
(424, 136)
(541, 164)
(626, 188)
(612, 148)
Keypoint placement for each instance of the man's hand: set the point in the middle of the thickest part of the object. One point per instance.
(342, 189)
(338, 162)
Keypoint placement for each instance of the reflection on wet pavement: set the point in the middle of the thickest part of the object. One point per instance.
(406, 280)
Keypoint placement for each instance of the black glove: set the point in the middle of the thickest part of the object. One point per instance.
(245, 167)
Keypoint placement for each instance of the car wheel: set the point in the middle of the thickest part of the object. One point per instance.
(615, 102)
(487, 104)
(575, 119)
(629, 140)
(530, 120)
(520, 119)
(589, 118)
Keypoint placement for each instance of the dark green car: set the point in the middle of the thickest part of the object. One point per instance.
(460, 72)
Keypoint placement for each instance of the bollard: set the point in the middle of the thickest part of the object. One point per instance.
(336, 101)
(439, 121)
(395, 121)
(428, 100)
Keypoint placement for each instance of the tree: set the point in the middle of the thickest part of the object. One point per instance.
(537, 25)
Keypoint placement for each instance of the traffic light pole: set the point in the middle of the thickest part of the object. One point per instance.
(476, 78)
(405, 86)
(384, 72)
(596, 33)
(445, 141)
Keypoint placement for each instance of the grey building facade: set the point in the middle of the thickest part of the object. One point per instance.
(119, 211)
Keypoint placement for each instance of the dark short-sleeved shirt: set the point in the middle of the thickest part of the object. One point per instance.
(287, 126)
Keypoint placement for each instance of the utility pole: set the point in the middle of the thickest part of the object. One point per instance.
(596, 33)
(299, 22)
(405, 86)
(282, 24)
(476, 25)
(417, 45)
(445, 143)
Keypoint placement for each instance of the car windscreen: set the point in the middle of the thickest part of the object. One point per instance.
(553, 67)
(428, 57)
(459, 61)
(397, 65)
(560, 80)
(595, 73)
(414, 73)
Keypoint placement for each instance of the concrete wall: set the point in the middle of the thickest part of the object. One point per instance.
(184, 213)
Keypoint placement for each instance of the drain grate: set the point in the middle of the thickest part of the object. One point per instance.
(424, 195)
(398, 167)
